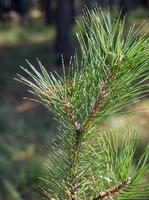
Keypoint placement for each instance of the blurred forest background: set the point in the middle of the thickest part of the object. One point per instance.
(44, 29)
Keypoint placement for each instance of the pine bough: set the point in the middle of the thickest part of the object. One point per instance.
(87, 163)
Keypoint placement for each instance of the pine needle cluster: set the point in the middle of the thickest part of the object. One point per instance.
(85, 162)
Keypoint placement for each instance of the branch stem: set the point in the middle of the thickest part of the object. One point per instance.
(78, 128)
(103, 93)
(113, 190)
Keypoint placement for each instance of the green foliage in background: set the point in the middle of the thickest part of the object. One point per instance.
(85, 161)
(20, 160)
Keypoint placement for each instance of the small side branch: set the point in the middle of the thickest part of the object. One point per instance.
(113, 190)
(45, 194)
(77, 129)
(70, 113)
(100, 100)
(71, 194)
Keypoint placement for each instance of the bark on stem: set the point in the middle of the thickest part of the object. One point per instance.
(113, 190)
(100, 100)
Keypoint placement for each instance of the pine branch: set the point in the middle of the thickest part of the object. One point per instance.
(113, 190)
(113, 73)
(100, 99)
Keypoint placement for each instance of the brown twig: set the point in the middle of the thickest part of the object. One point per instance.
(71, 116)
(100, 100)
(76, 127)
(69, 193)
(45, 194)
(113, 190)
(73, 195)
(73, 190)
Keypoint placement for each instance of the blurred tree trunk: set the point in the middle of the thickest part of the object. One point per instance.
(104, 3)
(46, 7)
(14, 9)
(5, 7)
(64, 21)
(90, 3)
(18, 6)
(145, 3)
(48, 12)
(125, 6)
